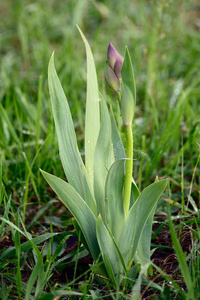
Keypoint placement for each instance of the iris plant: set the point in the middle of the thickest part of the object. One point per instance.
(113, 218)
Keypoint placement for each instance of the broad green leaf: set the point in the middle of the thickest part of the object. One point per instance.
(92, 114)
(137, 217)
(104, 157)
(69, 153)
(144, 244)
(109, 251)
(127, 73)
(79, 208)
(115, 216)
(118, 146)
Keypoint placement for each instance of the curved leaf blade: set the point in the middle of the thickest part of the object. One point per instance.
(109, 251)
(137, 217)
(127, 73)
(92, 114)
(104, 157)
(79, 208)
(115, 216)
(69, 153)
(144, 244)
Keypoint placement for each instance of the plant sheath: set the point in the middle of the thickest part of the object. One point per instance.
(129, 167)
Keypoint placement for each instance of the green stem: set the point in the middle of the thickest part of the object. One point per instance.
(129, 168)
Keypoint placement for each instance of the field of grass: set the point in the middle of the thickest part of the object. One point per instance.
(164, 43)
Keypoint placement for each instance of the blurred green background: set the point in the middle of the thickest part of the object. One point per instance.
(164, 42)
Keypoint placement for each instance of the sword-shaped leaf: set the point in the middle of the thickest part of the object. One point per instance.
(144, 244)
(111, 257)
(104, 157)
(79, 208)
(137, 217)
(115, 216)
(69, 153)
(92, 113)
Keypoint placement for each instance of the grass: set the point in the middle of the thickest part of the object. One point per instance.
(163, 39)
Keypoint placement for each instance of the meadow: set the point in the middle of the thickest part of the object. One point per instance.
(41, 254)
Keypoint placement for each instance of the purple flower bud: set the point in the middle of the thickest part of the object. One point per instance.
(113, 68)
(112, 80)
(112, 55)
(118, 66)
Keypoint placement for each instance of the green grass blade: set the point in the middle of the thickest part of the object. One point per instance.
(171, 280)
(79, 208)
(115, 216)
(3, 290)
(137, 217)
(13, 226)
(39, 112)
(37, 252)
(10, 126)
(60, 247)
(27, 245)
(92, 114)
(69, 153)
(104, 157)
(6, 210)
(58, 293)
(181, 258)
(32, 280)
(18, 252)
